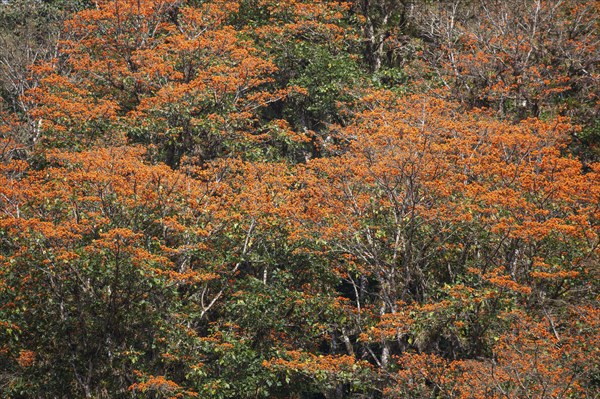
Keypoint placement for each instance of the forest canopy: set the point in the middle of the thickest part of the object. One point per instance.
(299, 199)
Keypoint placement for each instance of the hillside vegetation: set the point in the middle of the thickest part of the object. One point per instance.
(300, 199)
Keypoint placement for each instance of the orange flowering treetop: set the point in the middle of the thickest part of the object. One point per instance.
(441, 221)
(176, 78)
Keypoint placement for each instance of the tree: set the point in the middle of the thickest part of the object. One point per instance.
(382, 21)
(424, 205)
(313, 45)
(521, 58)
(29, 31)
(176, 78)
(96, 262)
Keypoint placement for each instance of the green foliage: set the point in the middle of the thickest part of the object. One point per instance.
(327, 77)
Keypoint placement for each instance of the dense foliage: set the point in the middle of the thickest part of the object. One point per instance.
(299, 199)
